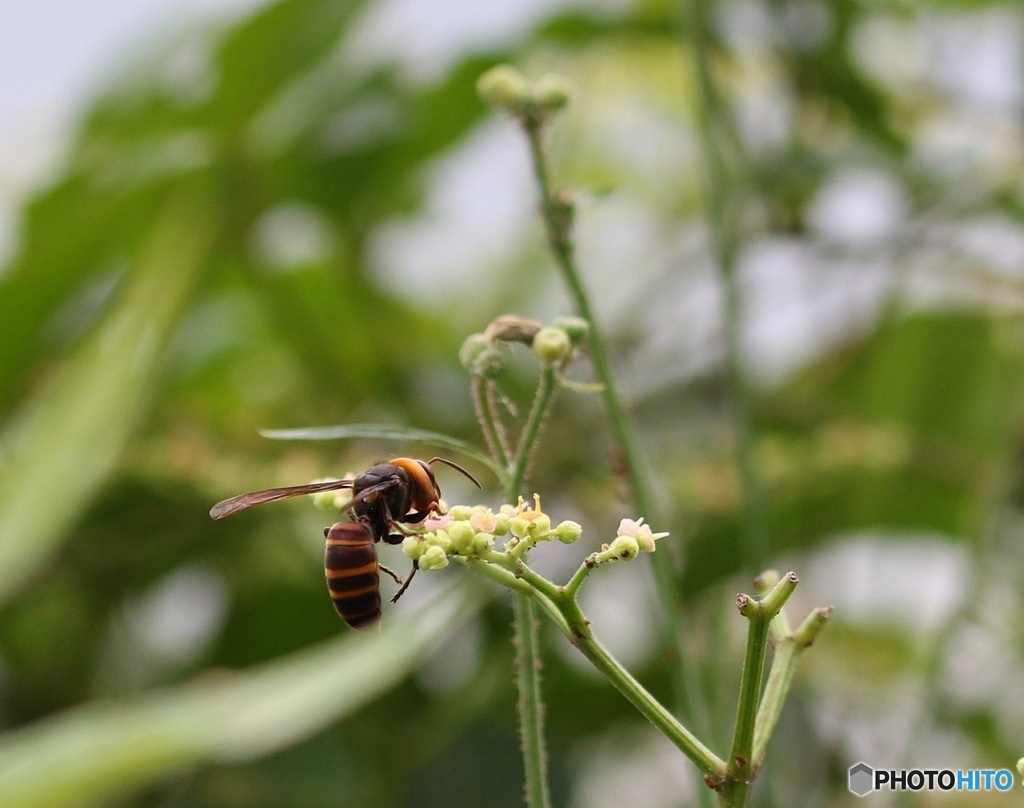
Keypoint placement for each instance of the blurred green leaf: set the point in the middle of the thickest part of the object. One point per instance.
(905, 431)
(65, 442)
(387, 433)
(89, 753)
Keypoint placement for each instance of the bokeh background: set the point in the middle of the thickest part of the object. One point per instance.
(802, 227)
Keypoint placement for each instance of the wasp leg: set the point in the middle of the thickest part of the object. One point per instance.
(408, 580)
(415, 517)
(394, 538)
(393, 575)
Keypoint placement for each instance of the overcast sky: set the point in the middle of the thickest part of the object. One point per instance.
(54, 56)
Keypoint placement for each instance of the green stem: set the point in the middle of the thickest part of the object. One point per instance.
(780, 677)
(557, 216)
(710, 765)
(517, 584)
(531, 712)
(528, 663)
(557, 221)
(573, 586)
(740, 768)
(723, 206)
(546, 386)
(560, 602)
(490, 422)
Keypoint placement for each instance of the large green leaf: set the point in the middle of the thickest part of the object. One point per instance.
(386, 432)
(908, 431)
(104, 748)
(64, 442)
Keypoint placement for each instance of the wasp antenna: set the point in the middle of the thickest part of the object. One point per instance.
(457, 467)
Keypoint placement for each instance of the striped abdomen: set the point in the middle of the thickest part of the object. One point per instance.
(350, 564)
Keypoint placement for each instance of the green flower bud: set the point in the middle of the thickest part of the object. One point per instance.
(502, 524)
(550, 91)
(551, 345)
(482, 542)
(461, 513)
(472, 347)
(624, 547)
(414, 546)
(324, 500)
(1020, 767)
(577, 328)
(503, 86)
(434, 558)
(440, 539)
(461, 535)
(330, 500)
(567, 532)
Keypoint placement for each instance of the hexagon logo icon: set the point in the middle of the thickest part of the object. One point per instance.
(862, 779)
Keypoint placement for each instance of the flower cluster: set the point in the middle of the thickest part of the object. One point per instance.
(472, 531)
(631, 537)
(508, 89)
(485, 354)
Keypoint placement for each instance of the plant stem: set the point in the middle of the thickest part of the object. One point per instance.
(723, 208)
(572, 587)
(490, 423)
(740, 769)
(546, 385)
(780, 677)
(557, 216)
(531, 708)
(560, 602)
(528, 662)
(557, 221)
(710, 765)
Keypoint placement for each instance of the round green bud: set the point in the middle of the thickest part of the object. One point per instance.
(567, 532)
(550, 91)
(501, 524)
(471, 348)
(434, 558)
(551, 345)
(441, 539)
(577, 328)
(503, 86)
(324, 500)
(482, 542)
(461, 513)
(461, 535)
(624, 547)
(414, 546)
(1020, 767)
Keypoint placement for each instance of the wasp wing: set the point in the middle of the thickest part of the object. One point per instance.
(243, 501)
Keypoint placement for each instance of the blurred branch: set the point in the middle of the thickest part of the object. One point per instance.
(724, 207)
